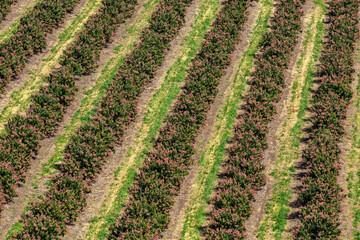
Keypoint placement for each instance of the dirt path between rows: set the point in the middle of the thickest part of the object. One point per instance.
(35, 184)
(34, 66)
(346, 217)
(177, 214)
(17, 11)
(101, 187)
(270, 154)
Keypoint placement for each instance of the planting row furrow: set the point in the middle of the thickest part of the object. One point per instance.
(146, 215)
(243, 172)
(93, 142)
(320, 196)
(30, 37)
(23, 133)
(5, 8)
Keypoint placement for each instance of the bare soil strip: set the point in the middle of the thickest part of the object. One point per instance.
(17, 11)
(101, 187)
(177, 215)
(280, 170)
(35, 184)
(16, 98)
(139, 138)
(349, 178)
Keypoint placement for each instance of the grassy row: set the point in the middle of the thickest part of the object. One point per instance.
(157, 109)
(215, 151)
(277, 208)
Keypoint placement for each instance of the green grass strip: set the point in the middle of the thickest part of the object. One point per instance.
(157, 109)
(277, 208)
(215, 151)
